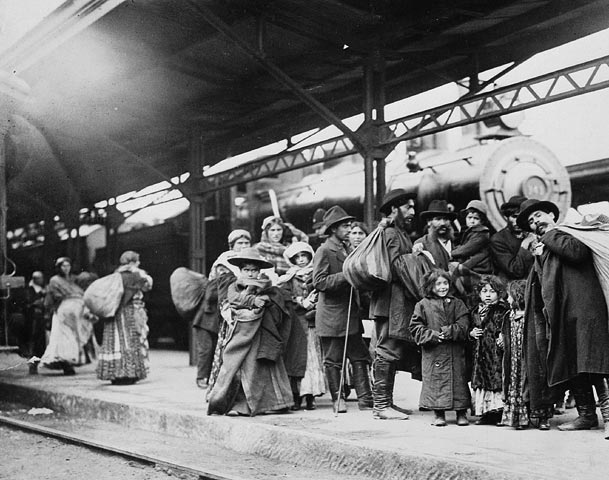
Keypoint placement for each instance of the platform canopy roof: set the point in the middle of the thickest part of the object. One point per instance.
(114, 107)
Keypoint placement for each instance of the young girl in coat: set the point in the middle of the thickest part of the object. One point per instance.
(440, 324)
(515, 412)
(298, 282)
(487, 320)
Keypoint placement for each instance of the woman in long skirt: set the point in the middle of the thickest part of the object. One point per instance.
(124, 351)
(64, 299)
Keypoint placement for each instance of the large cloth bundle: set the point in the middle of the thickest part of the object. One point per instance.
(367, 267)
(593, 231)
(187, 289)
(103, 296)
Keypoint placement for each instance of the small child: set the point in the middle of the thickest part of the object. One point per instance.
(474, 252)
(298, 281)
(487, 319)
(439, 324)
(515, 412)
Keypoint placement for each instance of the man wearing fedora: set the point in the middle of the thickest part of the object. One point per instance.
(391, 310)
(336, 303)
(438, 240)
(510, 245)
(566, 317)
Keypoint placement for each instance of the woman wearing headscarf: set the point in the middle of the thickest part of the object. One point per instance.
(237, 240)
(276, 236)
(64, 299)
(124, 351)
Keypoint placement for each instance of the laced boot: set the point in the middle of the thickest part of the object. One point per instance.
(338, 402)
(586, 408)
(361, 381)
(602, 392)
(384, 376)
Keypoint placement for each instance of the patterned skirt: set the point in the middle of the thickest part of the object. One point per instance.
(124, 349)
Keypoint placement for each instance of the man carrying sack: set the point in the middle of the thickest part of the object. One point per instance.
(391, 310)
(337, 318)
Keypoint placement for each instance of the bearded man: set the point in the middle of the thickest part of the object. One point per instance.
(440, 235)
(510, 245)
(566, 330)
(391, 311)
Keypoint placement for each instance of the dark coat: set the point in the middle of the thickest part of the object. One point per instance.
(511, 261)
(444, 364)
(296, 347)
(334, 292)
(391, 301)
(574, 308)
(207, 315)
(438, 252)
(474, 252)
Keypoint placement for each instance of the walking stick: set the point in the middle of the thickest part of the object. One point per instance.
(342, 367)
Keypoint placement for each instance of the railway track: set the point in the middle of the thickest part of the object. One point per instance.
(84, 441)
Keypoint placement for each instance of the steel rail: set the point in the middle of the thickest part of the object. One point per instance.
(86, 442)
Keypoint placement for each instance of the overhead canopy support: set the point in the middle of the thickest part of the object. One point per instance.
(565, 83)
(280, 76)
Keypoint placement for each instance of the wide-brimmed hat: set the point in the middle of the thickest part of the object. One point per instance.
(532, 205)
(335, 215)
(394, 198)
(437, 208)
(249, 255)
(513, 203)
(477, 205)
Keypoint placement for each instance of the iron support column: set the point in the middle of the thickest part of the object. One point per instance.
(368, 132)
(196, 244)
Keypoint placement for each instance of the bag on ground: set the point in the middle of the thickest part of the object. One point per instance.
(187, 289)
(367, 267)
(103, 296)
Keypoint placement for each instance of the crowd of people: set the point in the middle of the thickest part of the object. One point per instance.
(500, 324)
(53, 325)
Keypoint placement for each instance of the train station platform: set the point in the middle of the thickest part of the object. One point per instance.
(353, 444)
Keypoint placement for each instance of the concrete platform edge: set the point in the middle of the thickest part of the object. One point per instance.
(242, 435)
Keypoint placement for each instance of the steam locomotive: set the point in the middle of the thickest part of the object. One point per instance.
(493, 170)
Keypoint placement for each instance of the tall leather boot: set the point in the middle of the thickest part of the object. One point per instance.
(586, 407)
(338, 402)
(384, 377)
(602, 392)
(361, 381)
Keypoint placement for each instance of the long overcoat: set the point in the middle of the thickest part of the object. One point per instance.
(574, 308)
(334, 292)
(444, 363)
(391, 301)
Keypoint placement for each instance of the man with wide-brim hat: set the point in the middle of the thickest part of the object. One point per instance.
(566, 307)
(392, 350)
(333, 309)
(510, 246)
(438, 240)
(332, 217)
